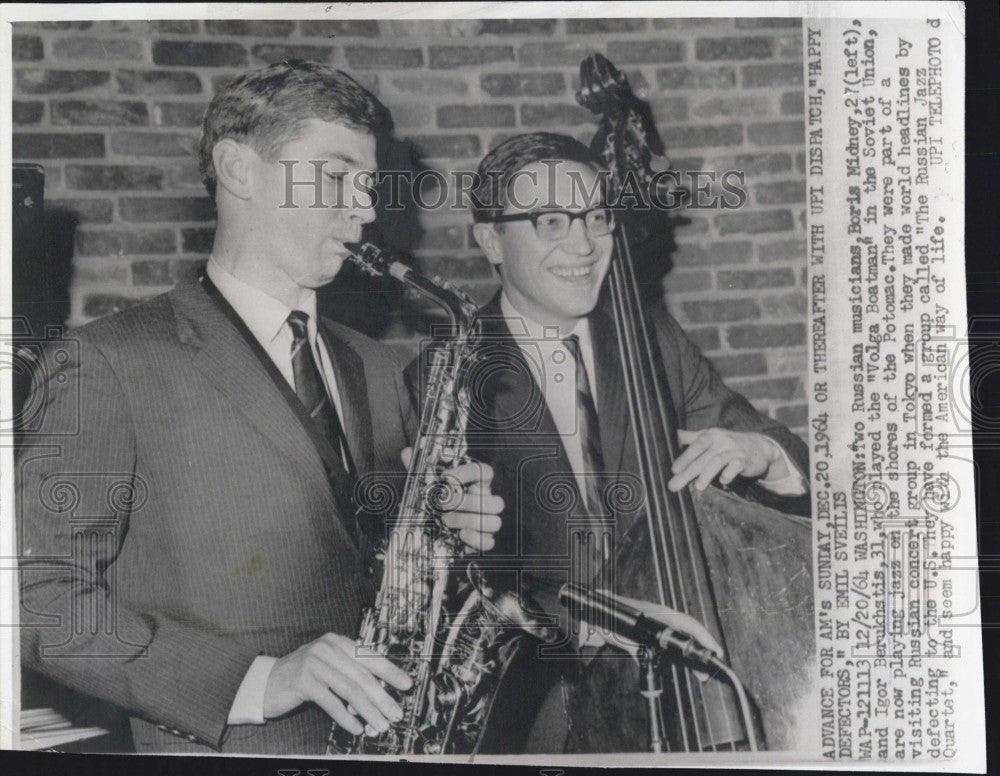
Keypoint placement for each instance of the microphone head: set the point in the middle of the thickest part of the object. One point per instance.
(571, 591)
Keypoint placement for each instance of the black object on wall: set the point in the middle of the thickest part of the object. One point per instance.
(29, 282)
(41, 272)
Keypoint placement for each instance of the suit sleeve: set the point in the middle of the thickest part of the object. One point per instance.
(76, 483)
(704, 401)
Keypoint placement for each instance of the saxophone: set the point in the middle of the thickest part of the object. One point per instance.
(435, 615)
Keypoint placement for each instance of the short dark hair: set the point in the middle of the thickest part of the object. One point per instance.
(267, 107)
(490, 196)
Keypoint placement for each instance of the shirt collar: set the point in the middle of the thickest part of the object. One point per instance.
(532, 340)
(264, 315)
(523, 327)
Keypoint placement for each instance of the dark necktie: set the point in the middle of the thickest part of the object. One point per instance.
(311, 390)
(593, 460)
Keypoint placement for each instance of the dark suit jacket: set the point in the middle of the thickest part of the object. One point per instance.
(511, 428)
(176, 519)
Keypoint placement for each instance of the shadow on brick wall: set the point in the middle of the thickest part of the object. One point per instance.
(368, 304)
(652, 245)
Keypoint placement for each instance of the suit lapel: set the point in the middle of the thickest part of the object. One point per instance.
(519, 429)
(514, 394)
(516, 401)
(514, 391)
(352, 386)
(225, 358)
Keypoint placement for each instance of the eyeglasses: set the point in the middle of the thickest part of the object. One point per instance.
(555, 224)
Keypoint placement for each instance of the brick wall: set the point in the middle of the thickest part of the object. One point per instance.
(112, 111)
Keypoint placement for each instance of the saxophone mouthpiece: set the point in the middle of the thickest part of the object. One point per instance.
(373, 260)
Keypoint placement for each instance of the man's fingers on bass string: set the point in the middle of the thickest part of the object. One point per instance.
(731, 469)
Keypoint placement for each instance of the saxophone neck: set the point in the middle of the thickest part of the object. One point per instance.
(374, 261)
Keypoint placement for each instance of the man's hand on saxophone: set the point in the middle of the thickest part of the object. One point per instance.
(331, 671)
(342, 677)
(469, 507)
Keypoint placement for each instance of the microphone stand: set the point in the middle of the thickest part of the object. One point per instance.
(655, 640)
(652, 689)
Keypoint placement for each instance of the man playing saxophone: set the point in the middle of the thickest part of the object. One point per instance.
(220, 596)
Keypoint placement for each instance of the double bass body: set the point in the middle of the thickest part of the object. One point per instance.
(760, 563)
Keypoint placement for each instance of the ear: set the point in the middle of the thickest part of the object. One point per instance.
(489, 241)
(232, 167)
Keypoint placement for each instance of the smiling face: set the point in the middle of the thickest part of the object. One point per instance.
(299, 246)
(552, 282)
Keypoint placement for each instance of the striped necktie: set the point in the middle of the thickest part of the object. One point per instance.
(594, 475)
(311, 390)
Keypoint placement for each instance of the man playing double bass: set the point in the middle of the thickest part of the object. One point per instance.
(549, 412)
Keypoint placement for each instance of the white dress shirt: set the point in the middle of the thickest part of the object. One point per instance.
(267, 319)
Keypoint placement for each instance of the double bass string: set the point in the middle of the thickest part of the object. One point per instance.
(666, 543)
(663, 534)
(609, 96)
(627, 323)
(626, 335)
(629, 127)
(688, 522)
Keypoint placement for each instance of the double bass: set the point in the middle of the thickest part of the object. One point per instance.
(740, 567)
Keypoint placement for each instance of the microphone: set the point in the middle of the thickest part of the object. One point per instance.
(603, 610)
